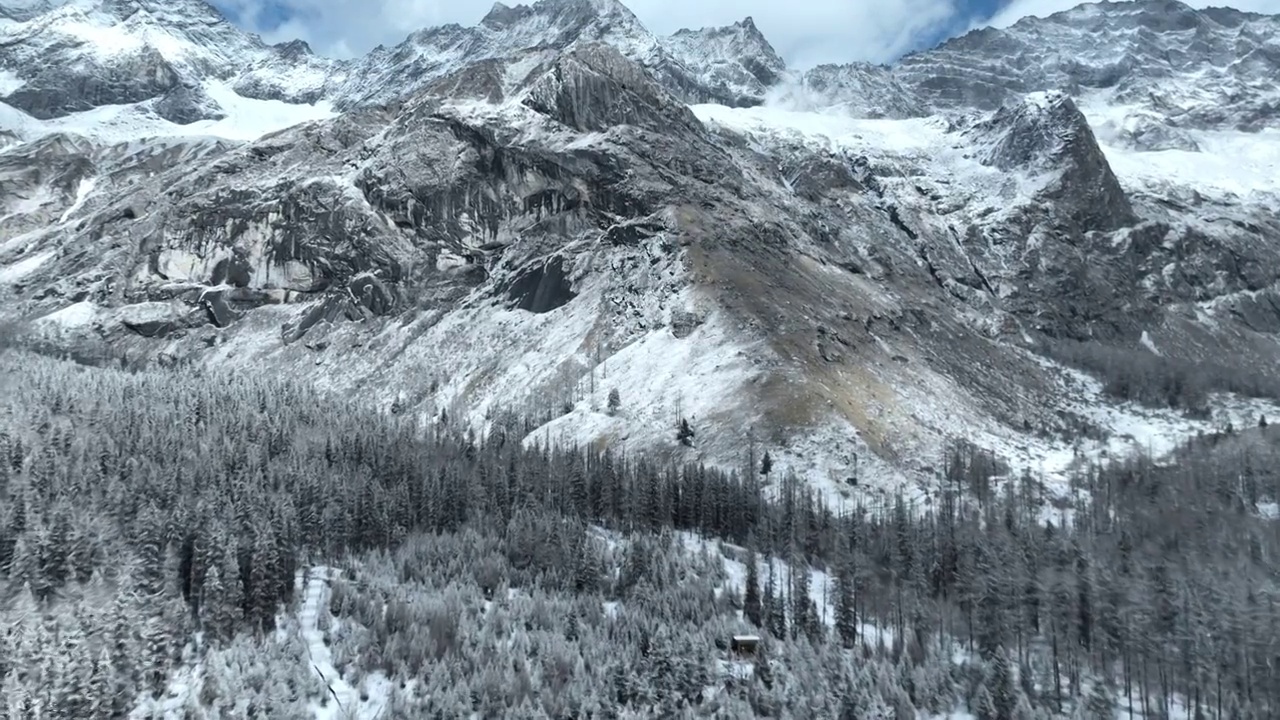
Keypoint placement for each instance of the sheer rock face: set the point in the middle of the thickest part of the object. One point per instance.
(594, 88)
(504, 216)
(1048, 132)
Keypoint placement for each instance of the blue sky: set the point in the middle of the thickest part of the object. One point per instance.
(804, 32)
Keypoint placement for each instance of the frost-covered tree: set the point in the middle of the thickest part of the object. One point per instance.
(752, 607)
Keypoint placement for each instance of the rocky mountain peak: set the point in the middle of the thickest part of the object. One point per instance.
(736, 61)
(558, 160)
(1209, 68)
(170, 13)
(293, 49)
(859, 90)
(732, 65)
(1047, 133)
(1032, 130)
(594, 87)
(502, 16)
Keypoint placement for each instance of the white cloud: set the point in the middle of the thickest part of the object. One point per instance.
(805, 32)
(1019, 9)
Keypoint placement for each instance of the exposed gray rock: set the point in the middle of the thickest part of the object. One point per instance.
(734, 65)
(542, 288)
(51, 89)
(1142, 53)
(595, 88)
(497, 204)
(1050, 133)
(186, 104)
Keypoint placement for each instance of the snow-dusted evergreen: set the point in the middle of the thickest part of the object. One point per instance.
(221, 545)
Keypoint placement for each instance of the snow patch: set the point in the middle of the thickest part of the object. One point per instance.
(22, 268)
(830, 129)
(72, 316)
(1229, 163)
(250, 119)
(10, 83)
(900, 149)
(172, 705)
(83, 189)
(247, 119)
(1148, 343)
(822, 586)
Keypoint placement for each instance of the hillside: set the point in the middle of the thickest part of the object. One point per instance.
(850, 266)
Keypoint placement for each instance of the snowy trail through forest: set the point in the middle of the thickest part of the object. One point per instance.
(348, 705)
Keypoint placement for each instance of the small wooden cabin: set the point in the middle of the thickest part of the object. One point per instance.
(745, 645)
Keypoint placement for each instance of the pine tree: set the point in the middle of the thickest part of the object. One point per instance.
(1003, 689)
(156, 653)
(71, 672)
(99, 690)
(804, 619)
(150, 544)
(763, 666)
(124, 644)
(1100, 703)
(853, 703)
(775, 608)
(16, 698)
(685, 433)
(261, 603)
(586, 568)
(751, 605)
(766, 464)
(846, 619)
(984, 705)
(24, 565)
(615, 401)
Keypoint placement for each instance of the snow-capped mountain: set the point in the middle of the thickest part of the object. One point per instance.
(81, 55)
(851, 265)
(1213, 68)
(732, 65)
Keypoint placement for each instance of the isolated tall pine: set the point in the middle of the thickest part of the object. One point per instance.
(775, 608)
(1003, 689)
(846, 619)
(752, 608)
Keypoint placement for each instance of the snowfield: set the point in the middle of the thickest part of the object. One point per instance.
(246, 119)
(1228, 164)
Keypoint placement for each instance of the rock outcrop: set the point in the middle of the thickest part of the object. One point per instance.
(523, 214)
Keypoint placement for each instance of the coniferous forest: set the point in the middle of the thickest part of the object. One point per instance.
(198, 544)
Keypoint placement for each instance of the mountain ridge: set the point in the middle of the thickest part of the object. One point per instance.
(852, 265)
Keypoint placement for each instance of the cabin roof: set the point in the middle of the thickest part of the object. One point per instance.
(747, 638)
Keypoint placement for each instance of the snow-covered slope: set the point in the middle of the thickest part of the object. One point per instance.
(853, 266)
